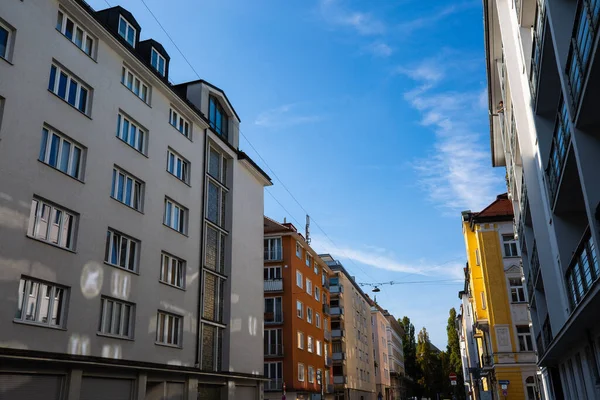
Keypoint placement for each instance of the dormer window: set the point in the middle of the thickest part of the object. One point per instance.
(217, 117)
(158, 61)
(127, 31)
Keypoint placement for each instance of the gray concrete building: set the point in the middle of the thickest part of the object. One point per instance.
(543, 68)
(130, 222)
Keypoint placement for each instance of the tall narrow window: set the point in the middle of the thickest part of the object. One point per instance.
(175, 216)
(217, 166)
(178, 166)
(510, 246)
(517, 291)
(273, 251)
(61, 152)
(121, 251)
(131, 133)
(217, 117)
(311, 374)
(301, 372)
(524, 337)
(213, 297)
(5, 41)
(172, 270)
(127, 31)
(215, 249)
(179, 122)
(299, 309)
(168, 329)
(299, 280)
(310, 344)
(308, 286)
(300, 340)
(127, 189)
(52, 224)
(116, 318)
(41, 303)
(75, 33)
(309, 315)
(68, 88)
(132, 82)
(298, 250)
(212, 343)
(158, 61)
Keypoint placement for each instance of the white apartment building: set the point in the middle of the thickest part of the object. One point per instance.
(130, 222)
(543, 78)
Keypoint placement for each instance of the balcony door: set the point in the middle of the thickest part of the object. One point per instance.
(273, 312)
(271, 273)
(273, 342)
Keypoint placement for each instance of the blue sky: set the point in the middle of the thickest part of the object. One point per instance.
(372, 113)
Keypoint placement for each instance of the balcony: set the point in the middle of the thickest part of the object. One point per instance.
(335, 311)
(326, 309)
(274, 350)
(274, 385)
(273, 318)
(336, 289)
(327, 335)
(583, 271)
(561, 141)
(340, 356)
(536, 48)
(328, 362)
(273, 285)
(340, 380)
(337, 333)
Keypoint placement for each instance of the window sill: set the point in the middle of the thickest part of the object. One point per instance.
(51, 244)
(121, 268)
(175, 230)
(108, 335)
(180, 180)
(80, 49)
(71, 105)
(173, 286)
(128, 206)
(181, 133)
(131, 147)
(39, 325)
(62, 172)
(172, 346)
(133, 93)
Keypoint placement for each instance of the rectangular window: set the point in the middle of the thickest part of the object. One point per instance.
(298, 250)
(116, 318)
(213, 295)
(175, 216)
(215, 203)
(301, 372)
(317, 293)
(179, 123)
(317, 320)
(68, 88)
(510, 246)
(311, 374)
(131, 133)
(215, 249)
(168, 329)
(309, 315)
(273, 251)
(178, 166)
(127, 189)
(52, 224)
(75, 33)
(524, 338)
(273, 371)
(217, 166)
(319, 348)
(121, 251)
(271, 273)
(135, 84)
(308, 259)
(61, 152)
(299, 309)
(127, 31)
(212, 344)
(41, 303)
(6, 34)
(158, 62)
(299, 280)
(308, 286)
(517, 292)
(273, 310)
(172, 270)
(300, 340)
(273, 342)
(310, 344)
(217, 117)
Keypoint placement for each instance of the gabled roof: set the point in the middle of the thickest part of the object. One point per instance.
(501, 207)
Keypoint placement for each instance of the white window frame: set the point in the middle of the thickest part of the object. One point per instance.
(180, 167)
(310, 344)
(311, 374)
(128, 27)
(174, 331)
(522, 338)
(273, 249)
(309, 315)
(9, 38)
(317, 293)
(318, 347)
(172, 270)
(300, 372)
(298, 250)
(79, 87)
(309, 286)
(127, 129)
(112, 236)
(177, 121)
(513, 246)
(108, 321)
(517, 291)
(27, 300)
(42, 226)
(73, 170)
(136, 197)
(175, 211)
(308, 259)
(135, 84)
(300, 340)
(61, 26)
(159, 58)
(300, 310)
(299, 279)
(317, 320)
(273, 272)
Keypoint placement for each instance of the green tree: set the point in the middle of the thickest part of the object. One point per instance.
(425, 362)
(454, 363)
(409, 345)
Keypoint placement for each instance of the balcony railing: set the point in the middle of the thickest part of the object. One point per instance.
(583, 272)
(327, 334)
(337, 311)
(339, 356)
(336, 289)
(273, 285)
(337, 333)
(326, 309)
(340, 380)
(274, 384)
(560, 146)
(273, 318)
(328, 361)
(274, 350)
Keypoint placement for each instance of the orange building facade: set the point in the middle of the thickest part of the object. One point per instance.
(297, 335)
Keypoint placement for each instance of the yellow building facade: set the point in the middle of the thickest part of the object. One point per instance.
(502, 337)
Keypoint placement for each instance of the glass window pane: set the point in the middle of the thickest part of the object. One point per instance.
(83, 100)
(54, 146)
(69, 29)
(59, 21)
(66, 231)
(89, 44)
(20, 300)
(211, 248)
(214, 164)
(65, 153)
(132, 135)
(43, 144)
(128, 191)
(213, 203)
(52, 78)
(153, 59)
(72, 92)
(131, 36)
(78, 37)
(126, 320)
(132, 255)
(62, 85)
(44, 303)
(123, 252)
(75, 162)
(122, 27)
(115, 248)
(120, 187)
(32, 301)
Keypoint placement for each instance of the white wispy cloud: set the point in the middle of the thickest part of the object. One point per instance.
(380, 49)
(284, 116)
(408, 27)
(362, 23)
(458, 174)
(380, 258)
